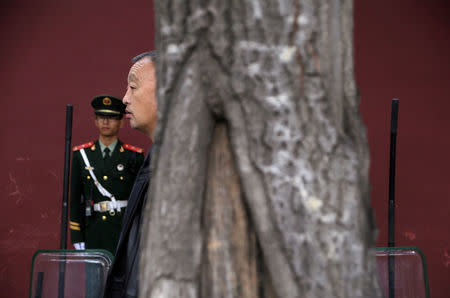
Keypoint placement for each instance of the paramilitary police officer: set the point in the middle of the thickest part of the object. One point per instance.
(102, 176)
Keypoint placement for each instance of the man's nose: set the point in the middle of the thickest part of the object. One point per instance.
(126, 98)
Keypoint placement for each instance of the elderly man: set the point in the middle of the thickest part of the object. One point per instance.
(141, 111)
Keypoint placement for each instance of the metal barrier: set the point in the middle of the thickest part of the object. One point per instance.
(69, 273)
(409, 277)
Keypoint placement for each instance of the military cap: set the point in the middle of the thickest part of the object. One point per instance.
(108, 105)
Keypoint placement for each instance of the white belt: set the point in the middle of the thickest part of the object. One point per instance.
(105, 206)
(100, 187)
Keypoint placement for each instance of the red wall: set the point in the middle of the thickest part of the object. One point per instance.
(55, 53)
(402, 49)
(59, 52)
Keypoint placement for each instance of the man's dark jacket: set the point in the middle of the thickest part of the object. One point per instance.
(123, 277)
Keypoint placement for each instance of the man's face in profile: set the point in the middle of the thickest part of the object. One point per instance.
(140, 97)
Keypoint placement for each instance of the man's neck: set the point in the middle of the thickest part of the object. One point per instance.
(106, 140)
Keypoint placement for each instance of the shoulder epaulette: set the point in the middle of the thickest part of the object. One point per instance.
(133, 148)
(76, 148)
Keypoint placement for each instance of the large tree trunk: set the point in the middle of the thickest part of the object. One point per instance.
(261, 158)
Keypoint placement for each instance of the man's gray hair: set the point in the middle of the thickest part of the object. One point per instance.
(153, 55)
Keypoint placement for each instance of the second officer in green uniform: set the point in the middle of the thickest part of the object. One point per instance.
(102, 177)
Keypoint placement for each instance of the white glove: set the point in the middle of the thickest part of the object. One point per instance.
(79, 245)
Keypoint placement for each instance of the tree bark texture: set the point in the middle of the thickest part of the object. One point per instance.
(280, 75)
(229, 267)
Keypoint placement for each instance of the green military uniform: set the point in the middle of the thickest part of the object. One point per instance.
(94, 218)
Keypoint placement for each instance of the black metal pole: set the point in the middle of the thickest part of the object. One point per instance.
(65, 200)
(65, 210)
(391, 210)
(39, 282)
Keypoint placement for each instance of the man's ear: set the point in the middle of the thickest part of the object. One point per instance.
(122, 121)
